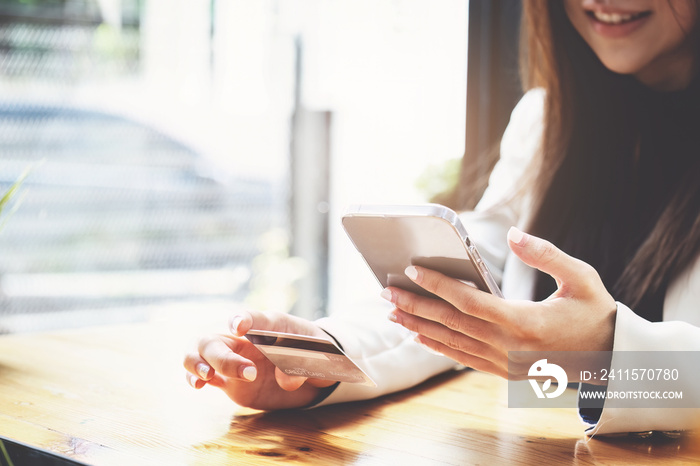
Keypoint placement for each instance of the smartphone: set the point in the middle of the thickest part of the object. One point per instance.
(308, 356)
(392, 237)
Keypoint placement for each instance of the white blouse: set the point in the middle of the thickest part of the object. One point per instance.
(387, 352)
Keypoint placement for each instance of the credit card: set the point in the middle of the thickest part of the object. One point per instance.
(306, 356)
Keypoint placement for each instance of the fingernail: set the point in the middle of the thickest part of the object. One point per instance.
(387, 294)
(235, 322)
(192, 380)
(411, 272)
(250, 373)
(516, 236)
(392, 317)
(203, 371)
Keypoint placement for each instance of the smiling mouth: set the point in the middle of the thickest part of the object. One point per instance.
(617, 18)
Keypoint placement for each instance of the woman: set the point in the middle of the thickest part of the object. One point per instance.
(600, 159)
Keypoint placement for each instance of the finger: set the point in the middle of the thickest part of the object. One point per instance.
(241, 322)
(465, 298)
(218, 381)
(197, 366)
(245, 320)
(448, 337)
(222, 354)
(469, 360)
(293, 382)
(194, 381)
(441, 312)
(429, 308)
(544, 256)
(288, 382)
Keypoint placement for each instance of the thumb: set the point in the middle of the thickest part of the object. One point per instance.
(294, 382)
(544, 256)
(288, 382)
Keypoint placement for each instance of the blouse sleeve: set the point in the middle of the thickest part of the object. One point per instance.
(634, 339)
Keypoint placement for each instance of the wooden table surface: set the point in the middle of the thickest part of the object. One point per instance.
(117, 395)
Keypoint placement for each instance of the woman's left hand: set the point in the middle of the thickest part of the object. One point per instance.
(478, 329)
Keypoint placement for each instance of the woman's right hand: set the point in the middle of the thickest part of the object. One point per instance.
(233, 364)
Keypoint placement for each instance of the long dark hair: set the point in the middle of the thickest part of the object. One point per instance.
(617, 180)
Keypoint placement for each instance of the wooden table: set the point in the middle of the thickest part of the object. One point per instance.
(117, 395)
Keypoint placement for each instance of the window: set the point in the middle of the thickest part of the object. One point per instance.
(158, 132)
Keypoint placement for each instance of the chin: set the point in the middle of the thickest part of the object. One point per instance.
(622, 66)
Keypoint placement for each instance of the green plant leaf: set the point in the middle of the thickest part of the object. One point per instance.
(12, 192)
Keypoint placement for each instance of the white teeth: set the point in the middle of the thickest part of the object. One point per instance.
(612, 18)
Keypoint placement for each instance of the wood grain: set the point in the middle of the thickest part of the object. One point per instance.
(117, 395)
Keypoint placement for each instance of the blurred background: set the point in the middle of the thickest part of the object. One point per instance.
(205, 150)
